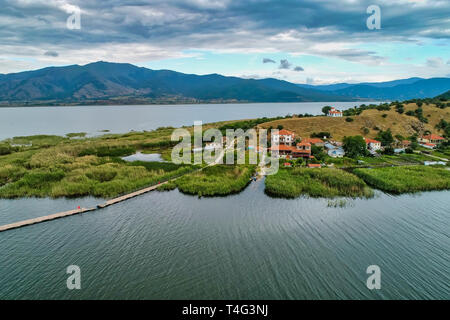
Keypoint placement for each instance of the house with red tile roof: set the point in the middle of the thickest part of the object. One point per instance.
(431, 138)
(373, 145)
(314, 141)
(301, 150)
(406, 143)
(334, 113)
(428, 145)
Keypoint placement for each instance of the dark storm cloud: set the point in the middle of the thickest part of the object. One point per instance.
(220, 24)
(267, 60)
(284, 64)
(298, 68)
(51, 54)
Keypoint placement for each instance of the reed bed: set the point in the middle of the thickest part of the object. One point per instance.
(325, 183)
(218, 180)
(407, 179)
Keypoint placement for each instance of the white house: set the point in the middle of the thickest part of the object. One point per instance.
(373, 145)
(283, 137)
(334, 113)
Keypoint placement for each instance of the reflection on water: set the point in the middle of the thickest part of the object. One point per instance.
(246, 246)
(145, 157)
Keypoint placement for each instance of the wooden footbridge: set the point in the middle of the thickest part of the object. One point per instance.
(77, 211)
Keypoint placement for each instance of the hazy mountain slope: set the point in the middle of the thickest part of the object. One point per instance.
(103, 80)
(424, 88)
(390, 90)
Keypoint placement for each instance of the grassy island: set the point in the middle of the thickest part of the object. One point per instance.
(328, 183)
(406, 179)
(218, 180)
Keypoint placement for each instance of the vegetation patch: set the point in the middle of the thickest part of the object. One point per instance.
(217, 180)
(406, 179)
(327, 183)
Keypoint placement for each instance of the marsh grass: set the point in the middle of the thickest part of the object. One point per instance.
(407, 179)
(51, 166)
(327, 183)
(219, 180)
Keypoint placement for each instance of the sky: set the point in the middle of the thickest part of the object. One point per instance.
(302, 41)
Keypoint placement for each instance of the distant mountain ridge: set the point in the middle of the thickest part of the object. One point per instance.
(121, 83)
(111, 82)
(404, 89)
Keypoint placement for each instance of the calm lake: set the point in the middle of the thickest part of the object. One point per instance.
(27, 121)
(245, 246)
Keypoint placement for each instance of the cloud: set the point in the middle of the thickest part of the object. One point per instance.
(51, 54)
(170, 28)
(267, 60)
(284, 64)
(309, 80)
(435, 62)
(298, 68)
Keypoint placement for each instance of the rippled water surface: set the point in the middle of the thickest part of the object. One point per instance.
(246, 246)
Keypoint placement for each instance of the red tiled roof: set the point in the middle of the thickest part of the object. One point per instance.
(432, 137)
(314, 165)
(334, 111)
(407, 142)
(295, 150)
(429, 144)
(371, 141)
(312, 140)
(285, 132)
(301, 144)
(281, 147)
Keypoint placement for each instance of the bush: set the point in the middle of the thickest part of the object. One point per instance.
(348, 119)
(5, 149)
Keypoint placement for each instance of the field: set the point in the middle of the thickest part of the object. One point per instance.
(406, 179)
(328, 183)
(53, 166)
(371, 119)
(217, 180)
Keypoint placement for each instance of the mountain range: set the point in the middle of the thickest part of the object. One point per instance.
(120, 83)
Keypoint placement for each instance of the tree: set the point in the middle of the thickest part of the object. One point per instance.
(355, 146)
(385, 137)
(326, 109)
(280, 127)
(318, 153)
(388, 150)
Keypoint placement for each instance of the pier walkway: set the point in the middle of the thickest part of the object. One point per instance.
(50, 217)
(108, 203)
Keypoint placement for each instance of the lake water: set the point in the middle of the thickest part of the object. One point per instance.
(145, 157)
(246, 246)
(121, 119)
